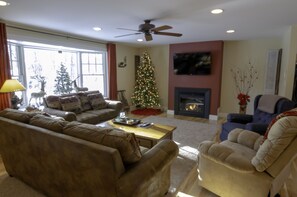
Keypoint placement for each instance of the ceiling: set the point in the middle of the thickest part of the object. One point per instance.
(251, 19)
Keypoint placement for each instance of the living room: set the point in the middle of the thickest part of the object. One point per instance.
(227, 53)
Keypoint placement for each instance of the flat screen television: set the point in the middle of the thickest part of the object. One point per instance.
(196, 63)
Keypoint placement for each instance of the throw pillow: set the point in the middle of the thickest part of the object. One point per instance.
(53, 102)
(17, 115)
(97, 101)
(48, 123)
(85, 104)
(124, 142)
(71, 103)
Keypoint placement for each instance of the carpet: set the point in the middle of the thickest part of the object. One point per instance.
(187, 135)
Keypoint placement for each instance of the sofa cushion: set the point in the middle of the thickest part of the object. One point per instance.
(97, 101)
(85, 103)
(102, 114)
(17, 115)
(48, 123)
(53, 102)
(71, 103)
(124, 142)
(87, 117)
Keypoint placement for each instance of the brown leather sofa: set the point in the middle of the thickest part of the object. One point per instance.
(74, 159)
(87, 107)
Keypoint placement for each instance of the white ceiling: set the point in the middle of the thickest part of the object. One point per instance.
(250, 19)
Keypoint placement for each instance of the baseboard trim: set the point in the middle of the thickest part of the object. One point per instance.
(171, 112)
(213, 117)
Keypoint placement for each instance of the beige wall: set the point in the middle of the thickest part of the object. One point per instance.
(125, 76)
(238, 54)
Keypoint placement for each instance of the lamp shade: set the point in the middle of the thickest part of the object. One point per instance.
(12, 85)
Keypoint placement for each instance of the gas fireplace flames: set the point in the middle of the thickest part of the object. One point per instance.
(193, 107)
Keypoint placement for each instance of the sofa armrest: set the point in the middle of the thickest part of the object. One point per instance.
(153, 162)
(239, 118)
(116, 105)
(246, 138)
(68, 116)
(257, 127)
(224, 155)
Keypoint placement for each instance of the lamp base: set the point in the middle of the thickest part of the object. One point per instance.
(15, 101)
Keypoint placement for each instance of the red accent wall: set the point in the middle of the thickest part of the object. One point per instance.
(212, 81)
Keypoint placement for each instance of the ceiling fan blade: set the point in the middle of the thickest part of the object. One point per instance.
(148, 37)
(127, 29)
(164, 27)
(127, 35)
(168, 34)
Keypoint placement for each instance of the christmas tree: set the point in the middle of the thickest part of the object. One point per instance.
(145, 92)
(63, 82)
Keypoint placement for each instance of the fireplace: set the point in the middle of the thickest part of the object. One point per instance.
(192, 102)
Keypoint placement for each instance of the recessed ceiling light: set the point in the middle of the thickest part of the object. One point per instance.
(217, 11)
(97, 28)
(4, 3)
(230, 31)
(139, 40)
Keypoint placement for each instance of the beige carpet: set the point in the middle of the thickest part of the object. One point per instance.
(188, 135)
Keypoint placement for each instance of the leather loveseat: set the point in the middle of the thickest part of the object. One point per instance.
(73, 159)
(87, 107)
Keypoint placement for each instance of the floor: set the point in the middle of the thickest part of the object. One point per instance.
(191, 187)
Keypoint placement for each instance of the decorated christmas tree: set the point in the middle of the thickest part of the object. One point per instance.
(63, 82)
(145, 92)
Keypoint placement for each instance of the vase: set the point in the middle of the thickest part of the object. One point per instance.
(242, 109)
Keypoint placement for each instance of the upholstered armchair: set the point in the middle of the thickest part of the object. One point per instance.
(244, 165)
(266, 107)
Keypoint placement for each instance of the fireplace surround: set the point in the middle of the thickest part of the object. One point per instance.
(192, 102)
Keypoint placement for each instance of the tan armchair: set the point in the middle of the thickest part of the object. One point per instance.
(241, 166)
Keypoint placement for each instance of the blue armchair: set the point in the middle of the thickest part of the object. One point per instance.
(266, 107)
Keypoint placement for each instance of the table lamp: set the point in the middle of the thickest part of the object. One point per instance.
(13, 85)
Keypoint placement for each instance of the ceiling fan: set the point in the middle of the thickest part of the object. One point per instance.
(148, 29)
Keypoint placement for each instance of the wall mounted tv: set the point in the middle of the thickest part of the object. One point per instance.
(194, 63)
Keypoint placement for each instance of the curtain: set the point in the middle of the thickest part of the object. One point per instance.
(4, 67)
(112, 71)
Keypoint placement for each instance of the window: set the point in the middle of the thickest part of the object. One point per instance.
(93, 71)
(36, 67)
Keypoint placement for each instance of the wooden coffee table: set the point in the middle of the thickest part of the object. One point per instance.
(146, 136)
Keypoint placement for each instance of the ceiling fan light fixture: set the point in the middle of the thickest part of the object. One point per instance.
(4, 3)
(217, 11)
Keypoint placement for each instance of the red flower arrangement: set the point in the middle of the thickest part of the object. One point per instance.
(243, 99)
(244, 80)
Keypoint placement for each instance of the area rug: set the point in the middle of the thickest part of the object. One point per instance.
(187, 135)
(146, 111)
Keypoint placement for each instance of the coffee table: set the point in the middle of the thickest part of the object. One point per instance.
(146, 136)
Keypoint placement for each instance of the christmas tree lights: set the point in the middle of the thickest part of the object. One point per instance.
(145, 92)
